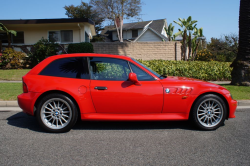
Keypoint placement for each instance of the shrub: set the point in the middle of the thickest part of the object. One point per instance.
(212, 71)
(204, 55)
(80, 48)
(11, 59)
(42, 49)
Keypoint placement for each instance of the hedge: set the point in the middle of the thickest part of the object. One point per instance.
(209, 71)
(80, 48)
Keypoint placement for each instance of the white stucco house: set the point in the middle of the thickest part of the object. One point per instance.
(146, 31)
(62, 31)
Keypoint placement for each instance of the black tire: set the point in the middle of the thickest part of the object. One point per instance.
(56, 113)
(208, 112)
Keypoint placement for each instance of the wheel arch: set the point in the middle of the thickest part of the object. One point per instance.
(58, 92)
(214, 93)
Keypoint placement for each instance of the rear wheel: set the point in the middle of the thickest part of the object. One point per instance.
(209, 112)
(56, 113)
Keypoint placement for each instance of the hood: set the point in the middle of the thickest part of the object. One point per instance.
(189, 82)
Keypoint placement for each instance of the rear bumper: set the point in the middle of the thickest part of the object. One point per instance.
(26, 102)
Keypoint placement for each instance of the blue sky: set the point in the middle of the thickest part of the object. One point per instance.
(217, 17)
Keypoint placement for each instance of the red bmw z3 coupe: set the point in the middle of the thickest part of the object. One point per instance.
(112, 87)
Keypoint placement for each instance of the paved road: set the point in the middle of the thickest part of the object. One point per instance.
(22, 142)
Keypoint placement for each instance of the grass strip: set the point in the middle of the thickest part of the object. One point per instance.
(9, 91)
(13, 74)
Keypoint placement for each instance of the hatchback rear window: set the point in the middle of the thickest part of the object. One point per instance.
(75, 67)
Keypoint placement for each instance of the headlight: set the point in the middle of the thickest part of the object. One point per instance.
(231, 95)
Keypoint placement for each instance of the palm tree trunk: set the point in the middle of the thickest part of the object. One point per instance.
(9, 40)
(189, 45)
(0, 46)
(241, 65)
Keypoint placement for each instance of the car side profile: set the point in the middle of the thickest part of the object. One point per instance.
(63, 88)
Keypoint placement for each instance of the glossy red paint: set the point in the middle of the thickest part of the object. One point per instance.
(159, 99)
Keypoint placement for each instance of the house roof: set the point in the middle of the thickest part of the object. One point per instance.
(48, 21)
(157, 25)
(154, 31)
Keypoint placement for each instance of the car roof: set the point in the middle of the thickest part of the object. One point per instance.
(49, 59)
(88, 55)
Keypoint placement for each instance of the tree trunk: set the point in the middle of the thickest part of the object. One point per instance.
(185, 45)
(189, 45)
(0, 46)
(121, 24)
(9, 40)
(241, 65)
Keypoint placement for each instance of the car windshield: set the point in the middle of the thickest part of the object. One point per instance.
(156, 74)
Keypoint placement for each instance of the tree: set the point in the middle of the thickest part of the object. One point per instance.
(241, 65)
(198, 34)
(225, 48)
(170, 31)
(117, 10)
(85, 10)
(187, 26)
(8, 32)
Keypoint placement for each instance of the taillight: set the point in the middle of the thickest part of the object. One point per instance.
(25, 88)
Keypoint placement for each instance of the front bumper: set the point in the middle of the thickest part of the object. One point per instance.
(26, 102)
(232, 108)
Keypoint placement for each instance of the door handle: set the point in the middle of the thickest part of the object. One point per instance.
(101, 88)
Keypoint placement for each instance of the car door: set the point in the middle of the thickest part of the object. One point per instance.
(113, 93)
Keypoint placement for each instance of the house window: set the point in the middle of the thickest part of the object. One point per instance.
(64, 36)
(134, 33)
(18, 39)
(4, 37)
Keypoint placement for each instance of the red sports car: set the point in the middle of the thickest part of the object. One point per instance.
(111, 87)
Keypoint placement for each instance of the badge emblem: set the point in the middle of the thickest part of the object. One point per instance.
(167, 90)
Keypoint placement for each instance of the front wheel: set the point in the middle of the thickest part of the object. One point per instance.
(209, 112)
(56, 113)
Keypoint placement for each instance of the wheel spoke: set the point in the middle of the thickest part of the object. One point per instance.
(51, 106)
(54, 104)
(64, 120)
(202, 113)
(48, 108)
(53, 121)
(60, 121)
(65, 115)
(48, 116)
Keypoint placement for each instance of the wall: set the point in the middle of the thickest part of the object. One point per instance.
(141, 50)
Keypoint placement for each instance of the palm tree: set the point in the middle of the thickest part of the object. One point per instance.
(241, 65)
(198, 34)
(187, 26)
(9, 32)
(170, 31)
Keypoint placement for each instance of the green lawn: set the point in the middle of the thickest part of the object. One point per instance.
(239, 92)
(13, 74)
(9, 91)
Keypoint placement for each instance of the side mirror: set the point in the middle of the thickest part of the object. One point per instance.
(133, 78)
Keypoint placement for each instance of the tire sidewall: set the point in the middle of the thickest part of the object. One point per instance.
(70, 103)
